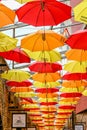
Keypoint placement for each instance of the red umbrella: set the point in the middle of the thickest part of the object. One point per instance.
(48, 103)
(44, 12)
(70, 95)
(18, 84)
(44, 67)
(74, 76)
(67, 107)
(77, 39)
(16, 55)
(46, 90)
(28, 99)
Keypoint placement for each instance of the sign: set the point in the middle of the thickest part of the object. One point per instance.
(79, 127)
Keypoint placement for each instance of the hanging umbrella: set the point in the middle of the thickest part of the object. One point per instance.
(76, 54)
(75, 89)
(49, 95)
(7, 43)
(45, 67)
(74, 76)
(48, 56)
(75, 40)
(47, 99)
(46, 90)
(84, 92)
(24, 1)
(46, 77)
(46, 84)
(70, 95)
(67, 107)
(74, 84)
(76, 67)
(45, 12)
(7, 15)
(80, 12)
(48, 103)
(70, 99)
(17, 84)
(42, 41)
(21, 89)
(24, 95)
(16, 55)
(16, 75)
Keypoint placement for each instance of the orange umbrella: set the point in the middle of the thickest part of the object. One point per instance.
(46, 77)
(48, 108)
(70, 99)
(73, 83)
(7, 15)
(21, 89)
(40, 41)
(76, 54)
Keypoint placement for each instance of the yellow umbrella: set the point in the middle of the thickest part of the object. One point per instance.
(15, 75)
(75, 89)
(80, 12)
(47, 99)
(48, 56)
(42, 41)
(7, 43)
(7, 15)
(23, 94)
(47, 84)
(76, 54)
(24, 1)
(84, 92)
(46, 77)
(67, 103)
(76, 67)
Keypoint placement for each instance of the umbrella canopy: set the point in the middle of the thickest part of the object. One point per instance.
(48, 103)
(45, 67)
(16, 55)
(76, 39)
(46, 90)
(18, 84)
(24, 1)
(21, 89)
(80, 12)
(76, 54)
(7, 15)
(16, 75)
(49, 95)
(7, 43)
(48, 99)
(70, 99)
(25, 95)
(74, 76)
(84, 92)
(47, 56)
(46, 77)
(42, 41)
(46, 84)
(76, 67)
(45, 12)
(74, 84)
(75, 89)
(70, 95)
(67, 107)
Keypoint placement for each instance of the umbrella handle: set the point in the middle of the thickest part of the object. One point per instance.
(66, 32)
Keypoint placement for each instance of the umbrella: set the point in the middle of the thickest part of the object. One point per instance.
(48, 99)
(48, 56)
(49, 95)
(16, 55)
(84, 92)
(42, 41)
(45, 12)
(24, 95)
(21, 89)
(76, 39)
(46, 90)
(7, 43)
(76, 54)
(24, 1)
(70, 95)
(74, 84)
(17, 84)
(46, 77)
(80, 12)
(74, 76)
(45, 67)
(48, 103)
(70, 99)
(16, 75)
(46, 84)
(7, 15)
(76, 67)
(75, 89)
(67, 107)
